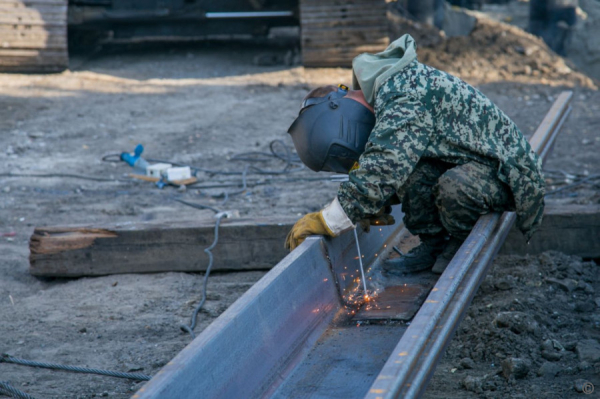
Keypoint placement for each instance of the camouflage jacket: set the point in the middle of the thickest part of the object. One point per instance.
(422, 112)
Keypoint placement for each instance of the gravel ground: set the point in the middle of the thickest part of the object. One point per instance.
(532, 331)
(175, 102)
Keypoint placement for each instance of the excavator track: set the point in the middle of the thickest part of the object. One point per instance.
(33, 36)
(333, 32)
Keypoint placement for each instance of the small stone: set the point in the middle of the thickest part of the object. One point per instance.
(104, 394)
(133, 367)
(584, 386)
(567, 284)
(473, 384)
(582, 366)
(83, 330)
(588, 350)
(467, 363)
(597, 300)
(551, 345)
(577, 267)
(585, 307)
(589, 289)
(517, 322)
(551, 355)
(6, 189)
(504, 284)
(516, 367)
(548, 369)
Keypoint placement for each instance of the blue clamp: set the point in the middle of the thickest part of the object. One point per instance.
(132, 158)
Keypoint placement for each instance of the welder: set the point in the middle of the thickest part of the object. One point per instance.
(411, 134)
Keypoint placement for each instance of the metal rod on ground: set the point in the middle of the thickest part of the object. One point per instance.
(362, 270)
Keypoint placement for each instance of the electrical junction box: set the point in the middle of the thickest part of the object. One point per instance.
(180, 173)
(158, 170)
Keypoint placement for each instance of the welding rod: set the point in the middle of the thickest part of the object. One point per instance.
(362, 270)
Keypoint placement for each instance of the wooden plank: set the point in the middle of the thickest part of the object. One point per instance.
(147, 248)
(247, 244)
(572, 229)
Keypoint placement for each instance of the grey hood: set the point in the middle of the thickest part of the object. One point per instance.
(370, 71)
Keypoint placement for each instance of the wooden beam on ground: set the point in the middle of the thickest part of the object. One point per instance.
(244, 244)
(247, 244)
(572, 229)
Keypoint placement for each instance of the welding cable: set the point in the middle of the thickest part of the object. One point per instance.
(289, 159)
(72, 175)
(190, 328)
(197, 206)
(227, 194)
(76, 369)
(574, 184)
(9, 390)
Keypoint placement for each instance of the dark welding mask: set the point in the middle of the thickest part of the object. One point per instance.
(331, 131)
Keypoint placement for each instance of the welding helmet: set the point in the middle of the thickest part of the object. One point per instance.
(331, 131)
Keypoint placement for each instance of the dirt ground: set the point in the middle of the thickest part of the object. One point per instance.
(531, 332)
(202, 104)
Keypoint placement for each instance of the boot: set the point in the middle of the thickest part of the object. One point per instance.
(422, 257)
(446, 256)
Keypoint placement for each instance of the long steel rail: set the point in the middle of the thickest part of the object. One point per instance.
(270, 342)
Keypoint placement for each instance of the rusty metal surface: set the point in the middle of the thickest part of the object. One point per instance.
(399, 302)
(408, 370)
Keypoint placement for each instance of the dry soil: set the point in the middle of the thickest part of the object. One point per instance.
(202, 104)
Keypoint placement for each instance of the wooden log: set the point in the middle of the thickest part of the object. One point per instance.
(572, 229)
(244, 244)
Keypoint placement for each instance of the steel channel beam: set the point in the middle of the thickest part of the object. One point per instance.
(413, 361)
(253, 346)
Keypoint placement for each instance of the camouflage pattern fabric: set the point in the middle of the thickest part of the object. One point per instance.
(440, 197)
(424, 113)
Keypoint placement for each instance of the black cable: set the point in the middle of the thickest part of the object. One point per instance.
(9, 390)
(197, 206)
(76, 369)
(574, 184)
(190, 328)
(113, 157)
(288, 158)
(75, 176)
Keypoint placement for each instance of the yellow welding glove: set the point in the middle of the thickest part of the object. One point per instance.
(330, 221)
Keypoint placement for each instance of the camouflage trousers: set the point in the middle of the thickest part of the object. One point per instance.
(440, 197)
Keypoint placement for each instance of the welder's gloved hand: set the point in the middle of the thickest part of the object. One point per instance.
(381, 218)
(330, 221)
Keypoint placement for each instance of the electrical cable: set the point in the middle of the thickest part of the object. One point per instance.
(574, 184)
(9, 390)
(288, 158)
(76, 369)
(190, 328)
(72, 175)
